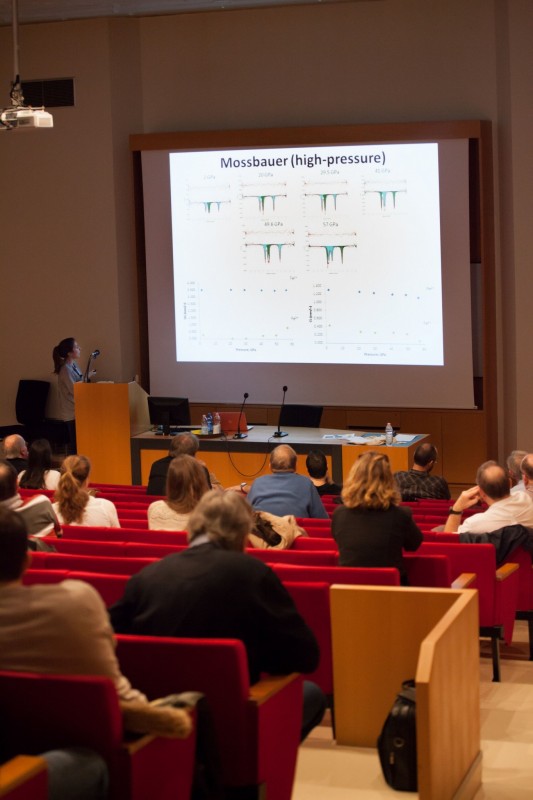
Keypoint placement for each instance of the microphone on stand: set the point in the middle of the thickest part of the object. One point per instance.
(94, 354)
(279, 433)
(240, 435)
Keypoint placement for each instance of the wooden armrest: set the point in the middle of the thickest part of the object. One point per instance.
(464, 580)
(505, 570)
(20, 769)
(261, 691)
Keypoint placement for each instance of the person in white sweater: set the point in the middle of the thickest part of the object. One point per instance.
(74, 505)
(186, 484)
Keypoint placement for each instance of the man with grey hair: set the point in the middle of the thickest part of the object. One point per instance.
(284, 492)
(16, 452)
(215, 590)
(514, 464)
(186, 444)
(526, 467)
(493, 488)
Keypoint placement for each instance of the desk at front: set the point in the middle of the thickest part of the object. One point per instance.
(235, 460)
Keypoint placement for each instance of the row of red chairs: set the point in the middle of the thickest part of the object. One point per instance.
(256, 728)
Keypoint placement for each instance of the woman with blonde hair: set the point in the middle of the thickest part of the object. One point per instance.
(186, 484)
(74, 504)
(371, 528)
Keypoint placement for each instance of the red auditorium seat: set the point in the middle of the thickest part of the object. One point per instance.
(257, 728)
(497, 588)
(44, 712)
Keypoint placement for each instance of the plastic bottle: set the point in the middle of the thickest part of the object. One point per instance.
(389, 434)
(217, 430)
(209, 418)
(204, 425)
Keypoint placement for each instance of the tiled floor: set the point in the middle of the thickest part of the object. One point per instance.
(328, 772)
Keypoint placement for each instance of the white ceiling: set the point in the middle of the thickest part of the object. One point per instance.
(54, 10)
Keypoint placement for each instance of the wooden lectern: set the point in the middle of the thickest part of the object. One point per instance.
(107, 416)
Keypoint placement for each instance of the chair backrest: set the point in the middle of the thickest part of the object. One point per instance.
(113, 565)
(312, 602)
(159, 665)
(109, 587)
(351, 575)
(477, 558)
(88, 534)
(306, 557)
(30, 403)
(44, 712)
(428, 570)
(301, 416)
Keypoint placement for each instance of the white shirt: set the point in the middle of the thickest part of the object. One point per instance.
(51, 478)
(517, 509)
(98, 512)
(163, 518)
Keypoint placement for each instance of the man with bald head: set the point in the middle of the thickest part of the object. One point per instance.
(16, 452)
(493, 487)
(284, 492)
(418, 482)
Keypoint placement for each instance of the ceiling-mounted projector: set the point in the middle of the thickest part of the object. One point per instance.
(17, 116)
(24, 118)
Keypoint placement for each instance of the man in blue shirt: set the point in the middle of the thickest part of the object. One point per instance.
(285, 492)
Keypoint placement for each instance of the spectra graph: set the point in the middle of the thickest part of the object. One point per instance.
(307, 266)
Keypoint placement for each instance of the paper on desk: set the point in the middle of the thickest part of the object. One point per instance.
(405, 437)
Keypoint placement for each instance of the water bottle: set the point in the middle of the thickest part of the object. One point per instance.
(209, 418)
(389, 434)
(217, 429)
(205, 430)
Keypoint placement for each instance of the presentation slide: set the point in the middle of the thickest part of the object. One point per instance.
(309, 255)
(338, 268)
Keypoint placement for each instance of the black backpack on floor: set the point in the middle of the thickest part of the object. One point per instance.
(397, 742)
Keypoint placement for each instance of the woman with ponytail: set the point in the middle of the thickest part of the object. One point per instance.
(68, 373)
(73, 503)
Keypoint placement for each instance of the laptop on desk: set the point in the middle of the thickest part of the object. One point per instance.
(229, 422)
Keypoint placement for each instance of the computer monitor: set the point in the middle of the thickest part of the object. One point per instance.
(169, 411)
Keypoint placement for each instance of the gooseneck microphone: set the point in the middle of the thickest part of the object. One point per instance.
(94, 354)
(279, 433)
(240, 435)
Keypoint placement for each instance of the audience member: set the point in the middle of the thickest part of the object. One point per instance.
(317, 467)
(68, 373)
(214, 589)
(371, 528)
(527, 474)
(285, 492)
(181, 444)
(74, 504)
(39, 473)
(186, 484)
(514, 464)
(37, 511)
(418, 483)
(16, 452)
(63, 628)
(58, 628)
(493, 488)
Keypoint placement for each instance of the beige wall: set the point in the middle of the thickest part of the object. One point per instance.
(67, 248)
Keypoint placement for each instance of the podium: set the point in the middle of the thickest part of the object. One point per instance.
(107, 416)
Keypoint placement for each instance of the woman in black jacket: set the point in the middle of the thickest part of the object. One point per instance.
(371, 528)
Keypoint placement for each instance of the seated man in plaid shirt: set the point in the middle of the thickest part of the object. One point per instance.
(418, 482)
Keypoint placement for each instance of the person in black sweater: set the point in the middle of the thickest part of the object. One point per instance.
(371, 529)
(215, 590)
